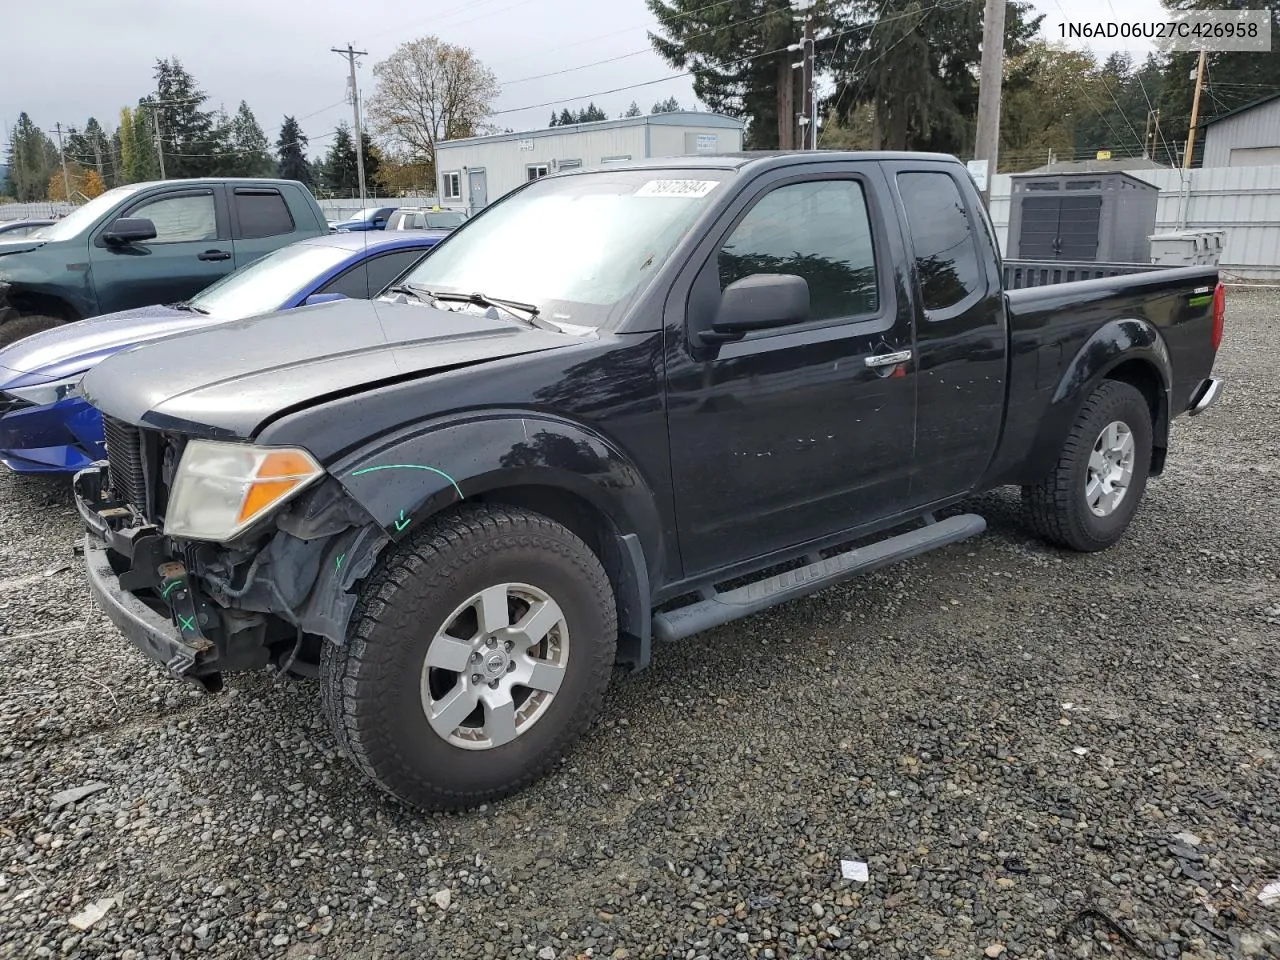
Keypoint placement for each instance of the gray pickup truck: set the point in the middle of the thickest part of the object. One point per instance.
(146, 243)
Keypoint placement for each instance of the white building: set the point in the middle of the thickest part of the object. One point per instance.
(478, 170)
(1248, 136)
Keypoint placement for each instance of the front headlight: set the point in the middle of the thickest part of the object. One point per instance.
(43, 394)
(221, 488)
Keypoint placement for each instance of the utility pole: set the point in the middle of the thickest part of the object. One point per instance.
(155, 116)
(808, 108)
(66, 179)
(1151, 145)
(350, 54)
(1195, 113)
(990, 76)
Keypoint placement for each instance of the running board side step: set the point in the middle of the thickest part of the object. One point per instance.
(721, 608)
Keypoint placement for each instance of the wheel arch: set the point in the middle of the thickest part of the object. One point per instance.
(559, 468)
(1128, 350)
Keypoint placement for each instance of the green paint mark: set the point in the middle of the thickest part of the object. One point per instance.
(341, 557)
(1202, 301)
(403, 522)
(170, 587)
(410, 466)
(188, 623)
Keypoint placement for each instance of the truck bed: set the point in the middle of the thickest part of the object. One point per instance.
(1051, 324)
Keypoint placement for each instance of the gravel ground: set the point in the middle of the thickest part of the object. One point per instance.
(1037, 754)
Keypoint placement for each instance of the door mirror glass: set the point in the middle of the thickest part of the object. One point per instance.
(760, 302)
(130, 230)
(323, 298)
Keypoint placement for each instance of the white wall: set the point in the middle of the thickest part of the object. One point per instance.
(1243, 201)
(506, 161)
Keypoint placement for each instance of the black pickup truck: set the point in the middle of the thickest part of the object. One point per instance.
(722, 383)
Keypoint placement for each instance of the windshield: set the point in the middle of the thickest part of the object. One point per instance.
(81, 218)
(366, 214)
(444, 221)
(267, 283)
(577, 247)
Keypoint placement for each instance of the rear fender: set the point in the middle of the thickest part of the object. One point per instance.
(1129, 349)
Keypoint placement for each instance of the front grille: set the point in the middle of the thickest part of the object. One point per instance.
(124, 462)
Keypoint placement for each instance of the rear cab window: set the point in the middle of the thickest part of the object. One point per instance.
(261, 213)
(940, 231)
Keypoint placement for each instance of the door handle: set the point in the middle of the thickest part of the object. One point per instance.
(213, 255)
(889, 359)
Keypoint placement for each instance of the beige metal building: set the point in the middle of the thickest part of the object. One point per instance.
(478, 170)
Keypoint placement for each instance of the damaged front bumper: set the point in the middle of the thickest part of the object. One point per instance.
(146, 627)
(202, 609)
(140, 584)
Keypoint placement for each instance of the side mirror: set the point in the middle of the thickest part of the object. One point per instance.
(130, 230)
(759, 302)
(323, 298)
(379, 221)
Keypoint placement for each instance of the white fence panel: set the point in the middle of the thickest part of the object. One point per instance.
(1242, 201)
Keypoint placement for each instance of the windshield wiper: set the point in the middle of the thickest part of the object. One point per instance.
(481, 300)
(187, 307)
(412, 290)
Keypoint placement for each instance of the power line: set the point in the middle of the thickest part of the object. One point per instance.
(936, 5)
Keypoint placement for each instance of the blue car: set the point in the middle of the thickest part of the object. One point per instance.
(46, 427)
(370, 218)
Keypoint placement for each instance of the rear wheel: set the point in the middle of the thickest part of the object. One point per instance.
(11, 331)
(1087, 501)
(480, 651)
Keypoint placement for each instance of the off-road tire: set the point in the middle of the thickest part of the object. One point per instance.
(371, 683)
(16, 328)
(1056, 507)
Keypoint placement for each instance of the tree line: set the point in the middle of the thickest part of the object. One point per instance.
(903, 75)
(900, 74)
(174, 133)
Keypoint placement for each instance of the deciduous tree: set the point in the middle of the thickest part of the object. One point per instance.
(428, 91)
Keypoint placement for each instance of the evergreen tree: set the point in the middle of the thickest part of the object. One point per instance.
(633, 110)
(372, 165)
(591, 114)
(554, 119)
(917, 66)
(567, 119)
(291, 156)
(249, 145)
(192, 145)
(138, 145)
(669, 105)
(738, 55)
(32, 160)
(340, 175)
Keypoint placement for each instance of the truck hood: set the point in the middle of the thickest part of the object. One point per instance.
(225, 381)
(75, 347)
(19, 245)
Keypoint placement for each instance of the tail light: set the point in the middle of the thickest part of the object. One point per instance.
(1219, 314)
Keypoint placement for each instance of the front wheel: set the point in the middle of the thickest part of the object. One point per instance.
(479, 652)
(1089, 497)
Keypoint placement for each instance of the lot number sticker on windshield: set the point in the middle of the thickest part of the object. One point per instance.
(677, 188)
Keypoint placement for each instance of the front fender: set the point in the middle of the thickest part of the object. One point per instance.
(407, 477)
(1115, 343)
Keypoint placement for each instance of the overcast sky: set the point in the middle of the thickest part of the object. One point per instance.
(275, 54)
